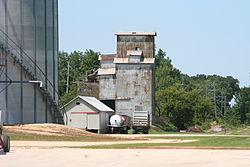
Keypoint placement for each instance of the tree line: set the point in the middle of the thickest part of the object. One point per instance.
(181, 100)
(72, 67)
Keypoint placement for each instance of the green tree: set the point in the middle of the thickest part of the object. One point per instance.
(166, 74)
(226, 86)
(243, 105)
(183, 108)
(79, 63)
(174, 88)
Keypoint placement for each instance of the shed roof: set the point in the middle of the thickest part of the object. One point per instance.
(93, 102)
(107, 57)
(151, 33)
(134, 52)
(126, 61)
(106, 71)
(96, 103)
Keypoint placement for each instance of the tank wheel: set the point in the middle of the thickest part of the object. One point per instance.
(125, 131)
(145, 131)
(134, 131)
(109, 131)
(6, 143)
(112, 130)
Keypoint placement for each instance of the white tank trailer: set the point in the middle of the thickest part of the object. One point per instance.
(119, 124)
(122, 123)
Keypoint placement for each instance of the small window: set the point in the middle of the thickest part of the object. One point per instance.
(138, 108)
(77, 103)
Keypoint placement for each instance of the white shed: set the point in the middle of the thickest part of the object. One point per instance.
(87, 113)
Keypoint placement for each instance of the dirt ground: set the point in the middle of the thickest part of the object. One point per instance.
(124, 158)
(56, 144)
(47, 129)
(51, 153)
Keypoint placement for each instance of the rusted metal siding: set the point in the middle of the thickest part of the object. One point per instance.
(107, 79)
(134, 88)
(107, 87)
(106, 71)
(132, 85)
(127, 42)
(107, 64)
(88, 89)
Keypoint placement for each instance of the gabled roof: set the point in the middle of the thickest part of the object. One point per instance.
(93, 102)
(96, 103)
(126, 61)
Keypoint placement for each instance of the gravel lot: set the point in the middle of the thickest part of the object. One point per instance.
(19, 157)
(49, 153)
(53, 144)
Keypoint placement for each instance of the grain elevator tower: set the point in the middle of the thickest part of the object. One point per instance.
(127, 78)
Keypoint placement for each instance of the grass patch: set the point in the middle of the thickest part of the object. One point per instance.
(238, 131)
(244, 130)
(36, 137)
(212, 141)
(204, 141)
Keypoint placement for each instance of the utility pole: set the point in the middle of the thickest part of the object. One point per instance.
(67, 84)
(225, 105)
(206, 89)
(215, 110)
(222, 102)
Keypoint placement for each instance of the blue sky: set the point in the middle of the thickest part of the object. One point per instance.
(200, 36)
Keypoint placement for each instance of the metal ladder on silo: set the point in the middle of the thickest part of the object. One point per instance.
(2, 58)
(32, 70)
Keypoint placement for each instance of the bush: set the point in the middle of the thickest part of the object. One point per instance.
(248, 118)
(231, 119)
(167, 126)
(206, 125)
(164, 123)
(195, 129)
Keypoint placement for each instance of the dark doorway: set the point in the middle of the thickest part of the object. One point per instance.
(110, 103)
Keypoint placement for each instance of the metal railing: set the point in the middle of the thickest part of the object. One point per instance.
(34, 71)
(2, 59)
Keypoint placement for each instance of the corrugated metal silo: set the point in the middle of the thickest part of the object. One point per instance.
(29, 48)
